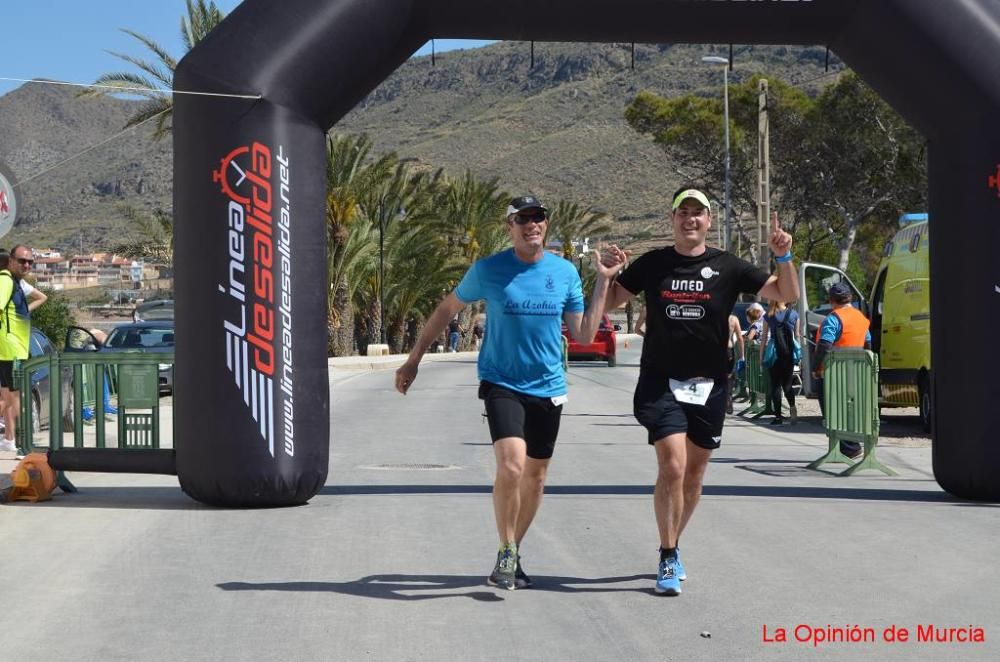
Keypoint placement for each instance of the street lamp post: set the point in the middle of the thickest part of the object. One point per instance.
(714, 59)
(381, 271)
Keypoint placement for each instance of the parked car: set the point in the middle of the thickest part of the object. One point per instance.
(40, 345)
(157, 309)
(603, 348)
(156, 336)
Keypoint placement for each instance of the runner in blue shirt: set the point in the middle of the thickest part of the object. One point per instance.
(529, 293)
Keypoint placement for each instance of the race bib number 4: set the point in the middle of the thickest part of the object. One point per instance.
(692, 391)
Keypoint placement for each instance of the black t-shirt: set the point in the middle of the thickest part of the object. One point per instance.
(454, 326)
(689, 300)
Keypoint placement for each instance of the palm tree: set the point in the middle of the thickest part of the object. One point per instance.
(569, 223)
(471, 221)
(402, 197)
(351, 237)
(201, 18)
(471, 217)
(418, 271)
(155, 236)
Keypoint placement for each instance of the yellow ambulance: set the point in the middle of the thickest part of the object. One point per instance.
(900, 313)
(899, 310)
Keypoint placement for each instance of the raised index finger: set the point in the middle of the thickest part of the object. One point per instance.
(774, 221)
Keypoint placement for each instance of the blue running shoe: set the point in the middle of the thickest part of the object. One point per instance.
(667, 582)
(679, 567)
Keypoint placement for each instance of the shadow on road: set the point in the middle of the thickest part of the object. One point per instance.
(172, 498)
(431, 587)
(779, 491)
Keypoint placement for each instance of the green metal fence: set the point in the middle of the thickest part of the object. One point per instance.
(81, 377)
(850, 401)
(758, 382)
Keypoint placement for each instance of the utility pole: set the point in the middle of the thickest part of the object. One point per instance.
(763, 177)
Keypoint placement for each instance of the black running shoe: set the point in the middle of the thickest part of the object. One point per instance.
(520, 579)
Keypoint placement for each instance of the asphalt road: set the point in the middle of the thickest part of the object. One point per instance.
(389, 561)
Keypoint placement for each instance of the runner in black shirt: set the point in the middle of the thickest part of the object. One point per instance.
(680, 399)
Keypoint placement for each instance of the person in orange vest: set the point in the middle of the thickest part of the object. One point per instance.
(845, 326)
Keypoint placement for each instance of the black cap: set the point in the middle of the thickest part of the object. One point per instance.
(525, 202)
(840, 293)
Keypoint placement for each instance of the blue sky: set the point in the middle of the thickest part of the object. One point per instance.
(68, 39)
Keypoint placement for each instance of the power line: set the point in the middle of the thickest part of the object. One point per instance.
(88, 149)
(117, 88)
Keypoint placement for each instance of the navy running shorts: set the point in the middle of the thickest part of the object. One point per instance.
(528, 417)
(662, 415)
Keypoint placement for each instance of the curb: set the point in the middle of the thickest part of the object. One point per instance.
(393, 361)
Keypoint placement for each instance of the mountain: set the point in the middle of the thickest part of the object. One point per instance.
(553, 127)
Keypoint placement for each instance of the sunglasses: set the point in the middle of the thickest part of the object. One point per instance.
(24, 261)
(524, 219)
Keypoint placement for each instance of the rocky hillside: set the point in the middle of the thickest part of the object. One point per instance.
(554, 128)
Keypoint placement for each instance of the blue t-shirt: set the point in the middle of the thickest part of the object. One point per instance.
(524, 309)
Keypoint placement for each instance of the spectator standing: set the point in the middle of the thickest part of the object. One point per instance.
(781, 329)
(455, 332)
(755, 315)
(845, 326)
(16, 332)
(736, 353)
(477, 334)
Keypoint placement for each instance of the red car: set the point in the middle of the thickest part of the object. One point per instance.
(603, 347)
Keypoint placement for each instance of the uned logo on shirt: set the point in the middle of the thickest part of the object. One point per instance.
(549, 283)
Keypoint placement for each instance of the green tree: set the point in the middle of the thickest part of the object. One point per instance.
(857, 168)
(158, 73)
(54, 317)
(843, 165)
(690, 129)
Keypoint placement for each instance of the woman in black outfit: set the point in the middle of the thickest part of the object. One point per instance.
(781, 325)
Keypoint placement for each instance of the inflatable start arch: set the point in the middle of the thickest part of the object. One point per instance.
(252, 411)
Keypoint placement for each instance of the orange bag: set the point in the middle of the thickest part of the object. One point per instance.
(34, 479)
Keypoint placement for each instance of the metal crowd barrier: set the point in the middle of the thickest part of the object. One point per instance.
(137, 445)
(758, 382)
(850, 398)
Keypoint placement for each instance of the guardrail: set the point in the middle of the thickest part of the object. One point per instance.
(81, 376)
(758, 382)
(850, 403)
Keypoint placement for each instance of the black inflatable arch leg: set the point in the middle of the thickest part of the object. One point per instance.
(252, 408)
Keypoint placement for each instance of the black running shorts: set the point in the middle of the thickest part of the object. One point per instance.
(7, 375)
(662, 415)
(513, 414)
